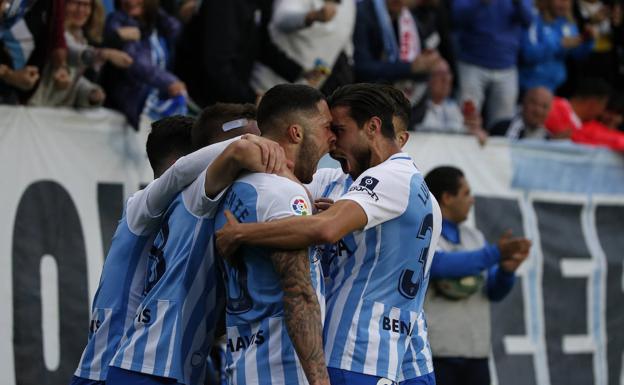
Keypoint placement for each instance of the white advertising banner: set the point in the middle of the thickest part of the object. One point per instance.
(66, 175)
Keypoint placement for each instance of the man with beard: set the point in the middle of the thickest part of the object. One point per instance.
(386, 221)
(274, 301)
(330, 184)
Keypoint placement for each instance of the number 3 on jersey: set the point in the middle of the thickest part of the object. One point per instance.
(407, 287)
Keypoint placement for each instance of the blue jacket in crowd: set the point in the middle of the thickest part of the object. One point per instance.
(457, 264)
(489, 31)
(127, 90)
(542, 57)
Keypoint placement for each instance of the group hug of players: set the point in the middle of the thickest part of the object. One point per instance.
(313, 276)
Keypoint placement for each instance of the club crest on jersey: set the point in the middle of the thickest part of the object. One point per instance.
(299, 206)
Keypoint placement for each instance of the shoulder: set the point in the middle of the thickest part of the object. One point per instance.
(270, 185)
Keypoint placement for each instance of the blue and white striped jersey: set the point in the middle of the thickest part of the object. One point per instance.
(121, 287)
(333, 183)
(259, 348)
(370, 320)
(174, 325)
(119, 292)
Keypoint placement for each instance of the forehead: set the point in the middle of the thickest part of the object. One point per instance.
(341, 116)
(324, 113)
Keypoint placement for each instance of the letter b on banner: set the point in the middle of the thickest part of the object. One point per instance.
(47, 223)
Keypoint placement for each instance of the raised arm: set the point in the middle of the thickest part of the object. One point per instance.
(302, 312)
(241, 155)
(159, 194)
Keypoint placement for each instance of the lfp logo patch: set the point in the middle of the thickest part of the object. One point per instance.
(299, 206)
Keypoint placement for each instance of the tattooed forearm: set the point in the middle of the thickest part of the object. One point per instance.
(302, 312)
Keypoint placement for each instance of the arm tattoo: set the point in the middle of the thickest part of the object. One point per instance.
(302, 312)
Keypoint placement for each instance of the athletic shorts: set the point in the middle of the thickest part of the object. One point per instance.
(119, 376)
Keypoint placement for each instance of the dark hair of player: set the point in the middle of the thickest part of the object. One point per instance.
(170, 137)
(283, 104)
(443, 179)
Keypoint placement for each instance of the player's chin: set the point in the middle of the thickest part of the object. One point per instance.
(344, 163)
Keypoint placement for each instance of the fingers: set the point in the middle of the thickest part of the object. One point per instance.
(322, 204)
(231, 219)
(506, 235)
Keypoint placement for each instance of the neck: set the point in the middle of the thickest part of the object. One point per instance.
(437, 99)
(74, 30)
(446, 215)
(291, 151)
(382, 149)
(578, 108)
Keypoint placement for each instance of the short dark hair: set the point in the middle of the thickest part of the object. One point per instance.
(209, 126)
(402, 107)
(592, 88)
(169, 136)
(281, 101)
(366, 100)
(444, 179)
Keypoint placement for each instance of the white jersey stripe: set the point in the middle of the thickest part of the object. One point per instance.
(275, 350)
(251, 368)
(154, 334)
(168, 366)
(393, 345)
(333, 316)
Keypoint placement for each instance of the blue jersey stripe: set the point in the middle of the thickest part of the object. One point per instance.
(263, 370)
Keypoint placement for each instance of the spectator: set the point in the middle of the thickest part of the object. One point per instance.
(444, 114)
(601, 20)
(314, 33)
(529, 122)
(388, 48)
(432, 20)
(84, 21)
(552, 37)
(182, 9)
(488, 36)
(613, 115)
(146, 33)
(466, 274)
(577, 118)
(219, 47)
(588, 103)
(31, 35)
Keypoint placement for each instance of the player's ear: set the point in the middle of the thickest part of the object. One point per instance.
(374, 125)
(295, 133)
(402, 138)
(445, 198)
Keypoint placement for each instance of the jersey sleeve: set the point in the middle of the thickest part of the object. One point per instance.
(140, 220)
(283, 198)
(322, 180)
(145, 207)
(382, 192)
(196, 200)
(183, 172)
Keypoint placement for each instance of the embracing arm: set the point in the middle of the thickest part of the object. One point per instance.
(302, 312)
(344, 217)
(242, 155)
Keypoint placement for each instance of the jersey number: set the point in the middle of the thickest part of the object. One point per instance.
(407, 287)
(156, 263)
(238, 298)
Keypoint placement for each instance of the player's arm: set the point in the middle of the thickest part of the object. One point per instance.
(242, 155)
(158, 194)
(296, 232)
(302, 312)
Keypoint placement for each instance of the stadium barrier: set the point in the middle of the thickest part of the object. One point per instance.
(66, 174)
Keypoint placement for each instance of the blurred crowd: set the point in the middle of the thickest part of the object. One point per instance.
(547, 69)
